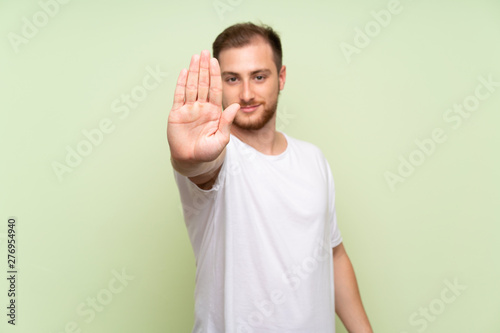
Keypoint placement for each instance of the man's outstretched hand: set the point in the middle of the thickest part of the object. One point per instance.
(198, 130)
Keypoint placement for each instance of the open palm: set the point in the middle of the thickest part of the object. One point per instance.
(198, 130)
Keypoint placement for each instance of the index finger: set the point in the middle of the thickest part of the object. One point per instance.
(215, 83)
(203, 78)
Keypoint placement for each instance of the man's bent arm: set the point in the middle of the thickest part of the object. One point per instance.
(348, 303)
(202, 174)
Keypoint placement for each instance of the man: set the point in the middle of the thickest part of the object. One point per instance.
(258, 204)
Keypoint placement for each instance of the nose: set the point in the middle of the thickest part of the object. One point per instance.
(246, 93)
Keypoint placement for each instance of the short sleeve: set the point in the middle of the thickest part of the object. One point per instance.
(193, 198)
(198, 206)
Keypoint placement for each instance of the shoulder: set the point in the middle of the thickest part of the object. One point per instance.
(310, 155)
(304, 147)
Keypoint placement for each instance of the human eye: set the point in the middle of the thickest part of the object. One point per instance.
(231, 79)
(260, 77)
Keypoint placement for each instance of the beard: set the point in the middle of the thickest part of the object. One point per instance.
(254, 122)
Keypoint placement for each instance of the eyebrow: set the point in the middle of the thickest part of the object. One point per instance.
(259, 71)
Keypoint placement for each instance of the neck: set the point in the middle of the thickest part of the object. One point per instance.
(266, 140)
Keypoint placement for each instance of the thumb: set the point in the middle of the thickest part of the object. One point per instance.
(227, 118)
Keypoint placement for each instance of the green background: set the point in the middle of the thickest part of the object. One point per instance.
(119, 208)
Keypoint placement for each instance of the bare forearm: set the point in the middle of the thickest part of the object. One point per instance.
(203, 173)
(348, 303)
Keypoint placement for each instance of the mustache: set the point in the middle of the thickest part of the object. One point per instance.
(245, 104)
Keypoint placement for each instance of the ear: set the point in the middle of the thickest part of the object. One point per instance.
(282, 77)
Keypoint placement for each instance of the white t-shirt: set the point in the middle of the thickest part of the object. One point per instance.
(262, 238)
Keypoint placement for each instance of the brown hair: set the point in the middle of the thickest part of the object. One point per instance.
(241, 34)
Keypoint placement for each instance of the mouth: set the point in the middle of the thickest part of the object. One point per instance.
(249, 108)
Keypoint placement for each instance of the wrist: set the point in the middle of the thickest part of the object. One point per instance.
(194, 169)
